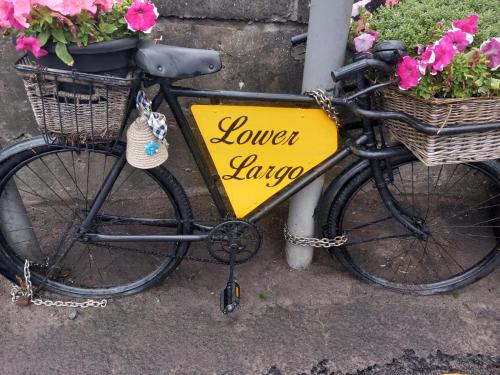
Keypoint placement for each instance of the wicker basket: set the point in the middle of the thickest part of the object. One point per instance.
(436, 150)
(73, 107)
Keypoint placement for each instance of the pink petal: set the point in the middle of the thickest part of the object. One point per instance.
(491, 48)
(468, 25)
(408, 73)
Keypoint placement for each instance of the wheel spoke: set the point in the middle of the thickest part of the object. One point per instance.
(54, 184)
(459, 204)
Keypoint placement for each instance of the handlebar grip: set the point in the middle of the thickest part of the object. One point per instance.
(359, 67)
(298, 39)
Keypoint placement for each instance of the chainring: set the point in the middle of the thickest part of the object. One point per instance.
(245, 238)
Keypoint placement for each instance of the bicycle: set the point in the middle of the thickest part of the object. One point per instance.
(388, 218)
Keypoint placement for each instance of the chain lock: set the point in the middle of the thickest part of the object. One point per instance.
(325, 103)
(27, 293)
(314, 242)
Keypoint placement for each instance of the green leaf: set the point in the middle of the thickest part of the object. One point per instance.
(63, 54)
(58, 35)
(48, 18)
(107, 28)
(495, 84)
(43, 37)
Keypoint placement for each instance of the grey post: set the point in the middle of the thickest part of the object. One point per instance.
(326, 44)
(16, 225)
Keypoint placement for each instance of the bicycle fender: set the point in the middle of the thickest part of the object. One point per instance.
(24, 145)
(331, 191)
(31, 143)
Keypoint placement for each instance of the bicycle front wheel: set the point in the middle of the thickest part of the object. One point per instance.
(459, 207)
(46, 192)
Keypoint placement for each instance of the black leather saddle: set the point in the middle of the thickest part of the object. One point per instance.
(172, 62)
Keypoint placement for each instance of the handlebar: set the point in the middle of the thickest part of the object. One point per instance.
(298, 39)
(359, 67)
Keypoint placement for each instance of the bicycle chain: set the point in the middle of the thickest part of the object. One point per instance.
(325, 103)
(18, 292)
(314, 242)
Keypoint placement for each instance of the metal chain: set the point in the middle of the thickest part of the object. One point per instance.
(27, 292)
(325, 102)
(314, 242)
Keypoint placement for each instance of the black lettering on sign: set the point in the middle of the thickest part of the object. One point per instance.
(235, 125)
(232, 133)
(247, 169)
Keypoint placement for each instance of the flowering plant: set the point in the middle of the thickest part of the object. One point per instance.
(448, 67)
(36, 23)
(458, 59)
(362, 34)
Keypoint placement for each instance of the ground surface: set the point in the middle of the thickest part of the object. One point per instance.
(318, 321)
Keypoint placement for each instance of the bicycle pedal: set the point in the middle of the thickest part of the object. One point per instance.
(230, 297)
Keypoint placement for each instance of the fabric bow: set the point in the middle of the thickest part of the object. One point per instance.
(156, 121)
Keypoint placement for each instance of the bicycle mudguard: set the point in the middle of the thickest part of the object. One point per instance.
(31, 143)
(333, 188)
(27, 144)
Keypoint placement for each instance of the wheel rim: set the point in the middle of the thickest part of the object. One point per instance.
(56, 189)
(459, 206)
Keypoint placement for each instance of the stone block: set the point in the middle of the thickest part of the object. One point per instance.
(256, 10)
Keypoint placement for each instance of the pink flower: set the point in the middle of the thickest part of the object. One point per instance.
(445, 52)
(357, 5)
(361, 25)
(364, 42)
(32, 44)
(141, 16)
(391, 3)
(6, 13)
(13, 13)
(428, 57)
(106, 5)
(408, 73)
(75, 7)
(491, 48)
(55, 5)
(460, 39)
(468, 25)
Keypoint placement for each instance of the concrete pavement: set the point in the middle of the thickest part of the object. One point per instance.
(288, 319)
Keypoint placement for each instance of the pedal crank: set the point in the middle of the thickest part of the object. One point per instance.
(230, 297)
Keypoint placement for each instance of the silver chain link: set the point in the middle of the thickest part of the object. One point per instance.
(314, 242)
(27, 292)
(325, 103)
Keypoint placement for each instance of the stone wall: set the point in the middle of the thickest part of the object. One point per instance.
(253, 36)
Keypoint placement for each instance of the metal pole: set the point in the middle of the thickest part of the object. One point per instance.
(326, 44)
(16, 225)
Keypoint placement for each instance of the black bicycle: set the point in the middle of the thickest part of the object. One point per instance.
(93, 226)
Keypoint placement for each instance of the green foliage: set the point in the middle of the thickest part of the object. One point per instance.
(63, 54)
(414, 21)
(81, 30)
(468, 75)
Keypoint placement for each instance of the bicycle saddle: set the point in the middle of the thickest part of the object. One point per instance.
(173, 62)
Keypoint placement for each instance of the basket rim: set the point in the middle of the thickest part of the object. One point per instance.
(439, 101)
(26, 67)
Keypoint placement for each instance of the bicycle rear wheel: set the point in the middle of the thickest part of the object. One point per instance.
(55, 187)
(459, 205)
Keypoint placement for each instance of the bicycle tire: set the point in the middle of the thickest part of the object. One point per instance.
(134, 269)
(367, 257)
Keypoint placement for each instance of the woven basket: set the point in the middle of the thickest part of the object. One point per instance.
(75, 107)
(437, 150)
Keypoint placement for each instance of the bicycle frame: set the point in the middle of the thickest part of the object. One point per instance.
(172, 94)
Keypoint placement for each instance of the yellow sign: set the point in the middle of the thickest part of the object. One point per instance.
(258, 151)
